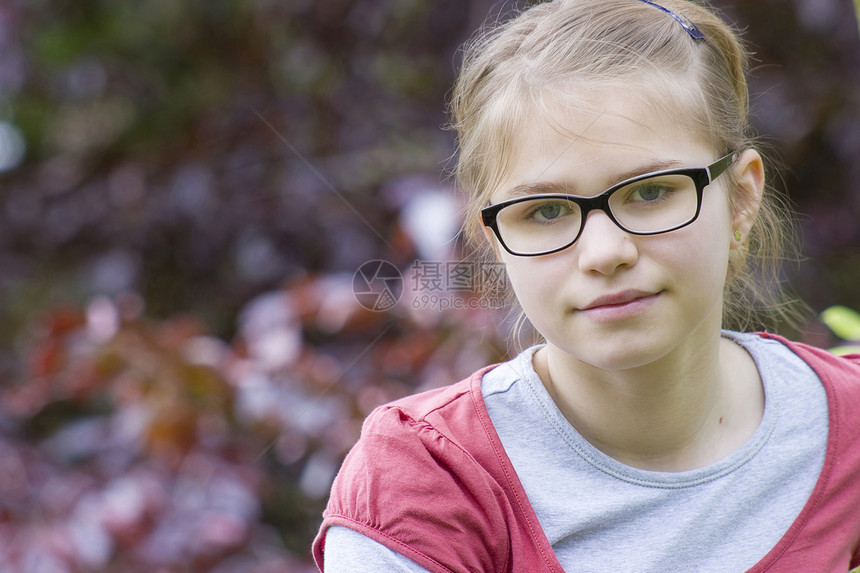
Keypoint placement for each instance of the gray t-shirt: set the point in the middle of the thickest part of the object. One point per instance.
(602, 515)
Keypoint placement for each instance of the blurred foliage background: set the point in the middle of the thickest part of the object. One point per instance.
(186, 192)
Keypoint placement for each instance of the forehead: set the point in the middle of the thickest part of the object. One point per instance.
(595, 135)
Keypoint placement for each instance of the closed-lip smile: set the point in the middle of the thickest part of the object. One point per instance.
(618, 299)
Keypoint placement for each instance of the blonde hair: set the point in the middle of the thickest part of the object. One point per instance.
(553, 51)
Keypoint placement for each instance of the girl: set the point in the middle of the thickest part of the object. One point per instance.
(606, 151)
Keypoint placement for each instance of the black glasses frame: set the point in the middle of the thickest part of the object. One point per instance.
(702, 177)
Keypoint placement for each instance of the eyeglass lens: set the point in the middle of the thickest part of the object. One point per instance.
(651, 205)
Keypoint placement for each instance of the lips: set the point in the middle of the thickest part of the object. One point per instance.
(617, 299)
(619, 306)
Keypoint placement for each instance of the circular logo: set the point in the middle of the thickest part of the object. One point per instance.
(377, 285)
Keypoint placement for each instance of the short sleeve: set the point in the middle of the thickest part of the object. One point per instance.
(419, 493)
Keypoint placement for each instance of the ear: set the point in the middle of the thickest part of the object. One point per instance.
(749, 176)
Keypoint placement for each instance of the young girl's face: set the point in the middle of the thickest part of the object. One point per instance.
(616, 300)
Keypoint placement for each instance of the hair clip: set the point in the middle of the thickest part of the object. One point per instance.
(688, 26)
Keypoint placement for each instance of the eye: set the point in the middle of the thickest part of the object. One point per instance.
(649, 192)
(547, 211)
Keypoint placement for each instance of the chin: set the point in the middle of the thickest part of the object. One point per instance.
(621, 361)
(619, 351)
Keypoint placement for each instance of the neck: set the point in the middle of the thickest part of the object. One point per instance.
(682, 412)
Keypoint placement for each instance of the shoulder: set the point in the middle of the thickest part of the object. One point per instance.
(422, 480)
(419, 407)
(421, 420)
(840, 370)
(406, 430)
(840, 376)
(439, 427)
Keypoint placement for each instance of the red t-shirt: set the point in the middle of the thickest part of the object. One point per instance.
(429, 479)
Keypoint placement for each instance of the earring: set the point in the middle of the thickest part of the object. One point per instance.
(738, 236)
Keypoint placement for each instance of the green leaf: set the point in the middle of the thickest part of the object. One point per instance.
(843, 321)
(857, 11)
(847, 349)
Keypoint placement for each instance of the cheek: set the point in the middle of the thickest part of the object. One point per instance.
(531, 280)
(717, 211)
(707, 241)
(699, 253)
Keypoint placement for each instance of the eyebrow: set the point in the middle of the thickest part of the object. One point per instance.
(569, 188)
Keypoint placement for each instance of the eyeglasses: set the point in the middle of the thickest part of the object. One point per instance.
(649, 204)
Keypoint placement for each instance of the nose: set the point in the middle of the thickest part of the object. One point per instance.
(604, 247)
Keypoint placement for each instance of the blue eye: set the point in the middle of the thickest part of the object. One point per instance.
(649, 192)
(547, 211)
